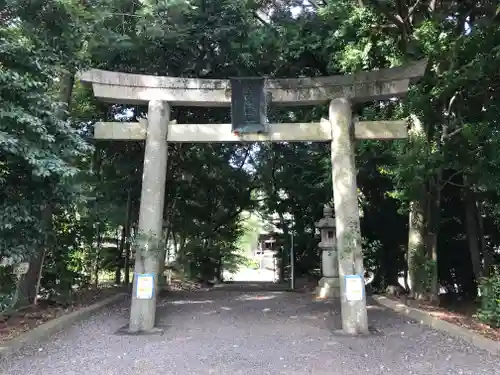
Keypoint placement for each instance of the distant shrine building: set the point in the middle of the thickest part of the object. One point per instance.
(267, 244)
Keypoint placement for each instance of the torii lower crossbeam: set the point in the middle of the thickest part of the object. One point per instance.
(215, 133)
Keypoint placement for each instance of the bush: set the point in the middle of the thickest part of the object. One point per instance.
(253, 264)
(7, 287)
(489, 312)
(5, 301)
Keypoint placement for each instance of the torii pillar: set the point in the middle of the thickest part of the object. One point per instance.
(345, 197)
(147, 259)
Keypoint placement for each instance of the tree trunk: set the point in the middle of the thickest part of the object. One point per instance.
(161, 265)
(131, 228)
(471, 227)
(417, 230)
(67, 81)
(283, 259)
(94, 260)
(220, 270)
(406, 275)
(97, 168)
(28, 286)
(433, 235)
(207, 264)
(128, 237)
(126, 267)
(169, 248)
(416, 248)
(165, 252)
(175, 242)
(97, 249)
(118, 275)
(125, 239)
(121, 250)
(485, 249)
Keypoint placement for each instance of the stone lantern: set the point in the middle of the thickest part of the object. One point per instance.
(329, 285)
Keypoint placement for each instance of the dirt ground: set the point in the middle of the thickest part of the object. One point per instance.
(14, 324)
(461, 314)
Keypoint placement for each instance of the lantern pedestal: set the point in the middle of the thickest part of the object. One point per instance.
(329, 285)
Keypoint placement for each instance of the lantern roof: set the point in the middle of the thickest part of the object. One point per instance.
(327, 221)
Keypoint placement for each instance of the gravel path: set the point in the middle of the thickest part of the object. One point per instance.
(232, 332)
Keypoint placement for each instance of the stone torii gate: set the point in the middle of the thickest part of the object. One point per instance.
(160, 93)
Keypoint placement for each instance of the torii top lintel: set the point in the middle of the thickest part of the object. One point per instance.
(362, 86)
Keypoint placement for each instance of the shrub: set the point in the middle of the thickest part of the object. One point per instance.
(253, 264)
(5, 301)
(489, 311)
(7, 287)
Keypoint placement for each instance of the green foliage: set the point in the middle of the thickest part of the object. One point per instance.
(38, 148)
(253, 264)
(423, 269)
(370, 250)
(46, 159)
(6, 300)
(251, 228)
(489, 312)
(8, 284)
(7, 287)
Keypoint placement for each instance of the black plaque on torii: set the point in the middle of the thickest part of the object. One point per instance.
(248, 105)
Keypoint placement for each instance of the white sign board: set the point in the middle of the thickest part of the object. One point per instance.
(21, 268)
(145, 285)
(354, 287)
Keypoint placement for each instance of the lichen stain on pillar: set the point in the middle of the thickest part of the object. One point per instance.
(354, 314)
(143, 311)
(344, 176)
